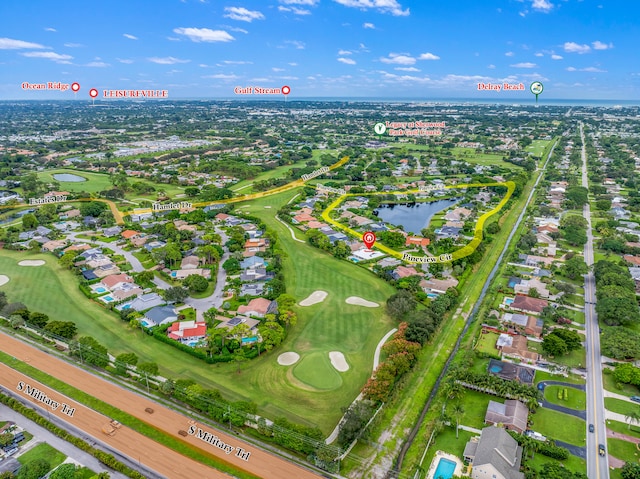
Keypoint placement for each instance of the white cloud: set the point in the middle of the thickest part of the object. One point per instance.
(573, 47)
(524, 65)
(222, 76)
(384, 6)
(295, 43)
(491, 67)
(73, 45)
(11, 44)
(237, 29)
(348, 61)
(428, 56)
(129, 36)
(204, 34)
(293, 64)
(398, 59)
(556, 57)
(598, 45)
(539, 54)
(542, 5)
(509, 54)
(167, 60)
(236, 62)
(300, 2)
(242, 14)
(344, 52)
(276, 69)
(294, 10)
(56, 57)
(368, 25)
(407, 69)
(173, 39)
(97, 64)
(49, 29)
(587, 69)
(125, 60)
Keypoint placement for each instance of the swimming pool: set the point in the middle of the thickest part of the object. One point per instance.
(432, 295)
(100, 289)
(174, 274)
(445, 469)
(252, 339)
(107, 299)
(142, 322)
(508, 301)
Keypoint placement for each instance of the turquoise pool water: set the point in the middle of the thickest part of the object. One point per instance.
(108, 299)
(445, 469)
(100, 290)
(508, 301)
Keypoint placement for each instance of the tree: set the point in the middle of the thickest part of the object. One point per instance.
(603, 205)
(572, 339)
(272, 334)
(176, 294)
(400, 304)
(554, 345)
(6, 438)
(620, 343)
(148, 368)
(630, 470)
(93, 208)
(64, 471)
(458, 411)
(574, 267)
(64, 329)
(3, 300)
(556, 470)
(91, 351)
(209, 253)
(196, 283)
(34, 469)
(29, 221)
(632, 416)
(16, 321)
(66, 260)
(125, 359)
(275, 288)
(39, 320)
(231, 265)
(392, 239)
(353, 422)
(577, 196)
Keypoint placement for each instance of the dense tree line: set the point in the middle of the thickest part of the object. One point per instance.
(615, 291)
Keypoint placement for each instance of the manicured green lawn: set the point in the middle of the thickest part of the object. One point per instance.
(572, 463)
(623, 428)
(575, 359)
(315, 369)
(43, 451)
(576, 399)
(487, 343)
(556, 425)
(624, 450)
(537, 147)
(626, 389)
(475, 407)
(620, 406)
(330, 326)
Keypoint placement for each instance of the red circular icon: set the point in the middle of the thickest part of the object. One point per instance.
(93, 93)
(285, 90)
(369, 238)
(75, 87)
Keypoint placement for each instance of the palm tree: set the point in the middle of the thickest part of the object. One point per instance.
(458, 411)
(632, 416)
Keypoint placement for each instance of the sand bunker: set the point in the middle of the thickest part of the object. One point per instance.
(4, 279)
(31, 262)
(361, 302)
(287, 359)
(313, 298)
(338, 361)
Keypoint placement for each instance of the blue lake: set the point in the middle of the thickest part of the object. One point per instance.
(413, 217)
(68, 177)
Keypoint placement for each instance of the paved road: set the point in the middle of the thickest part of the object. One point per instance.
(40, 434)
(544, 384)
(597, 466)
(578, 451)
(135, 263)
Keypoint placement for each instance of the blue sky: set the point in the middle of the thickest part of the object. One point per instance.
(579, 49)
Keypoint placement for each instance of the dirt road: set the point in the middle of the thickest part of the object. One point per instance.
(157, 457)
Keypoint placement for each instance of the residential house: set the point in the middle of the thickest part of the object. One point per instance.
(187, 331)
(190, 262)
(77, 247)
(404, 272)
(417, 241)
(252, 289)
(495, 455)
(113, 231)
(529, 305)
(438, 286)
(458, 214)
(51, 246)
(259, 307)
(256, 274)
(512, 414)
(511, 371)
(146, 301)
(126, 290)
(184, 273)
(526, 285)
(448, 232)
(115, 281)
(516, 345)
(634, 260)
(252, 324)
(252, 262)
(129, 234)
(161, 315)
(106, 270)
(154, 245)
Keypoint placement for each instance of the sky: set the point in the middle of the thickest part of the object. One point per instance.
(420, 49)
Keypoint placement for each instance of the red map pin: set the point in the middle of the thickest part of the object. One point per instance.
(93, 92)
(75, 87)
(369, 238)
(285, 90)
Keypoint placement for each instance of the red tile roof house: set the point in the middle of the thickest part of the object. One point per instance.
(114, 280)
(528, 304)
(258, 307)
(417, 241)
(128, 234)
(185, 331)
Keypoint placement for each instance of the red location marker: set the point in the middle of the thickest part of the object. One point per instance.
(369, 238)
(285, 90)
(75, 87)
(93, 93)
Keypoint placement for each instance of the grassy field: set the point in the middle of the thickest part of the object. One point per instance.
(626, 389)
(556, 425)
(329, 326)
(620, 406)
(624, 428)
(100, 181)
(576, 399)
(475, 407)
(537, 147)
(624, 450)
(43, 451)
(545, 376)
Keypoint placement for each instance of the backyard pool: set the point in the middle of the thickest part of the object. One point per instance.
(445, 469)
(174, 274)
(100, 289)
(508, 301)
(142, 322)
(252, 339)
(107, 299)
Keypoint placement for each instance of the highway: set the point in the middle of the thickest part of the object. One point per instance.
(597, 466)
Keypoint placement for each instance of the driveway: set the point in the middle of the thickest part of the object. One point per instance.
(578, 451)
(555, 407)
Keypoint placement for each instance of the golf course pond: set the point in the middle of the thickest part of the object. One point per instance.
(68, 178)
(414, 216)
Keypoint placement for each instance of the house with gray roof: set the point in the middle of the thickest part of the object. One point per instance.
(147, 301)
(512, 414)
(161, 315)
(495, 455)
